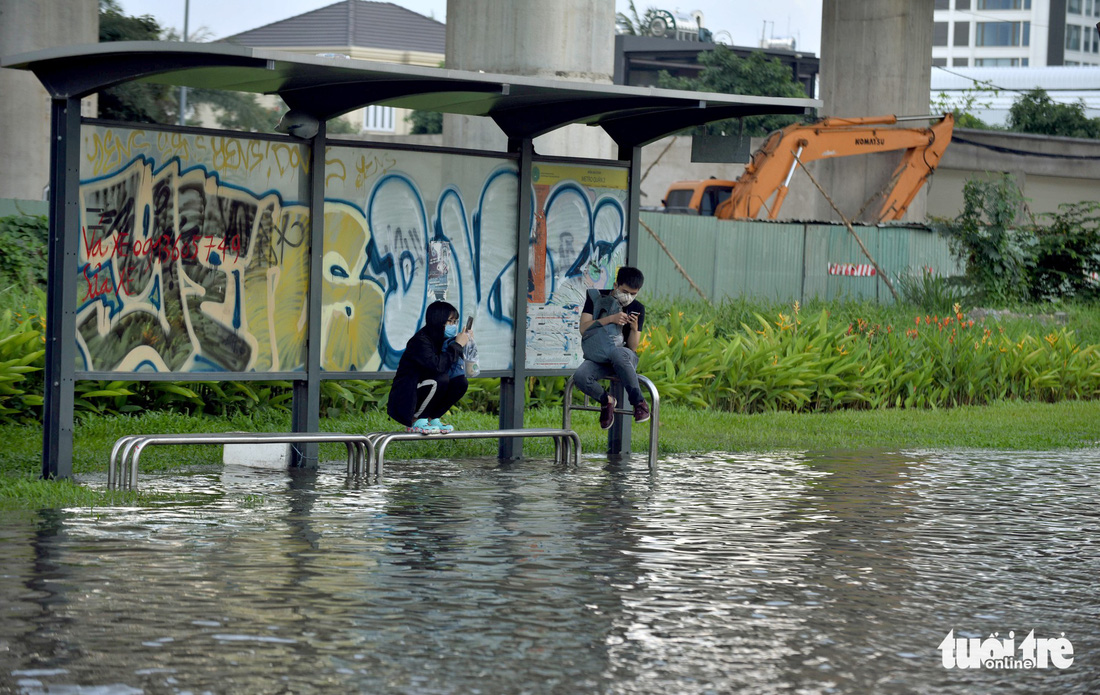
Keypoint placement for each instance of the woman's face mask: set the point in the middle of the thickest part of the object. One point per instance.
(450, 330)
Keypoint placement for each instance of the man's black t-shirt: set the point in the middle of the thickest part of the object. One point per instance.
(634, 306)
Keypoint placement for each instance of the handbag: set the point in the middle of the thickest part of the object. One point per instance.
(469, 358)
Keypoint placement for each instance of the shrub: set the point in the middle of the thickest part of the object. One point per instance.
(1010, 257)
(23, 251)
(986, 237)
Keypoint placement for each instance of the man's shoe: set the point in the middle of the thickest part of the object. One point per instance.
(641, 412)
(607, 413)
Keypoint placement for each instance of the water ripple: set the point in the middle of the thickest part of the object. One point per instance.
(807, 572)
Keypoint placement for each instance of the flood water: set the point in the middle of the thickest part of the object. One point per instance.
(779, 573)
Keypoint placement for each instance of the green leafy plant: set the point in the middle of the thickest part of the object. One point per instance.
(930, 292)
(22, 352)
(1067, 253)
(23, 251)
(988, 238)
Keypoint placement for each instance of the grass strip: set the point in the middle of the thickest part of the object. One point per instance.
(1009, 425)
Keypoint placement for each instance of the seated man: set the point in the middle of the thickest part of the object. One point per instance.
(611, 325)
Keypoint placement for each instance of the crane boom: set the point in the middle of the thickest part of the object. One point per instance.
(772, 166)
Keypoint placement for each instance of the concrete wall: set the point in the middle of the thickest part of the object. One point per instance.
(876, 59)
(1050, 170)
(24, 105)
(565, 40)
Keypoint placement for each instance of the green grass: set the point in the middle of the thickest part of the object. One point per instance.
(26, 492)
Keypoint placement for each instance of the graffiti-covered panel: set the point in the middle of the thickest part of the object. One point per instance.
(193, 253)
(404, 229)
(578, 242)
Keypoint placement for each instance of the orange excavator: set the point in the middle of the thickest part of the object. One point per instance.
(772, 166)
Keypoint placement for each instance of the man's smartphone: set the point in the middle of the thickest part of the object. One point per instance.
(469, 324)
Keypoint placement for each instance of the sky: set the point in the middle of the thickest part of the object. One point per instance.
(745, 20)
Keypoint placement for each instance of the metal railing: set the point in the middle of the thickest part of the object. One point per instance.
(130, 446)
(568, 406)
(366, 452)
(563, 438)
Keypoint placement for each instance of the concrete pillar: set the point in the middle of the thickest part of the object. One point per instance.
(24, 105)
(876, 59)
(564, 40)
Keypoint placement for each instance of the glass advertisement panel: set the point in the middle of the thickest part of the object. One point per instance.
(192, 254)
(404, 229)
(578, 242)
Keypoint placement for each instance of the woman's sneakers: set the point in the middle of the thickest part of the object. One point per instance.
(444, 429)
(433, 426)
(424, 426)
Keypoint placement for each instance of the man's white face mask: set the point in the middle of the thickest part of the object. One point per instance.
(623, 298)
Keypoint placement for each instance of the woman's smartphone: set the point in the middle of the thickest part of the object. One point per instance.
(469, 324)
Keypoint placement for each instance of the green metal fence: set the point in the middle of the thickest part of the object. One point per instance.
(782, 261)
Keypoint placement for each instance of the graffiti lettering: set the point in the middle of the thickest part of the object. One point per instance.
(377, 165)
(109, 151)
(185, 268)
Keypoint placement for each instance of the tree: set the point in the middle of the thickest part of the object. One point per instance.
(425, 122)
(726, 72)
(633, 25)
(144, 103)
(153, 103)
(1036, 112)
(964, 105)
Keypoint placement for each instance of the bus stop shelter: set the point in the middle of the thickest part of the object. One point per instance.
(190, 254)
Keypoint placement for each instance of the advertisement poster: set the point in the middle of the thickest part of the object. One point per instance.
(578, 242)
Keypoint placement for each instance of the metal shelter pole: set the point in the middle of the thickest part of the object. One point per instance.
(306, 407)
(618, 437)
(513, 389)
(60, 373)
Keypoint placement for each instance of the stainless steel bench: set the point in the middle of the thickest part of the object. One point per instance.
(127, 449)
(654, 412)
(563, 438)
(366, 452)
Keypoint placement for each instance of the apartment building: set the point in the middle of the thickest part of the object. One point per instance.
(1015, 33)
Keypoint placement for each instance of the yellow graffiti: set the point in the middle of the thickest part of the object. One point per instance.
(108, 151)
(375, 166)
(277, 289)
(174, 145)
(330, 168)
(287, 156)
(351, 306)
(234, 154)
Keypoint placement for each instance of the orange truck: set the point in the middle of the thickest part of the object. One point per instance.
(763, 184)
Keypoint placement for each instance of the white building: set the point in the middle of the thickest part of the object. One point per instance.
(991, 91)
(380, 31)
(1015, 33)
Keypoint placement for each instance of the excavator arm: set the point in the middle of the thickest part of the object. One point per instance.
(772, 166)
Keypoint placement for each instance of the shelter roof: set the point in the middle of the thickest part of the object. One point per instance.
(351, 23)
(324, 87)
